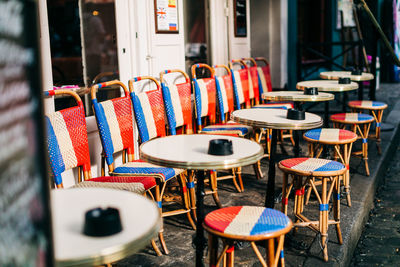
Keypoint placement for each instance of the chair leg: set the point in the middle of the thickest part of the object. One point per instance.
(192, 193)
(155, 247)
(257, 170)
(323, 218)
(214, 188)
(161, 232)
(336, 209)
(271, 252)
(235, 183)
(239, 176)
(284, 193)
(230, 256)
(185, 200)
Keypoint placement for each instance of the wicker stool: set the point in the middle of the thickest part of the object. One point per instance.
(355, 121)
(310, 168)
(342, 141)
(246, 223)
(376, 109)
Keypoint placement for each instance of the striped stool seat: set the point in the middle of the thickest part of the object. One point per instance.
(328, 135)
(275, 105)
(312, 166)
(366, 104)
(140, 167)
(230, 127)
(352, 118)
(247, 223)
(137, 185)
(341, 140)
(303, 172)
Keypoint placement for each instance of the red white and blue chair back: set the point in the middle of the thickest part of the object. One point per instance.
(254, 78)
(205, 95)
(115, 122)
(241, 85)
(67, 138)
(178, 104)
(149, 110)
(224, 93)
(265, 75)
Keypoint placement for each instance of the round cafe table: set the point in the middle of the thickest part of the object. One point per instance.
(328, 86)
(140, 220)
(274, 119)
(335, 75)
(191, 152)
(298, 98)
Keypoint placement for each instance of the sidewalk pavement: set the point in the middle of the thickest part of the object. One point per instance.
(302, 248)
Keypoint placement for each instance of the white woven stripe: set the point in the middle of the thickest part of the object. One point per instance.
(137, 188)
(351, 116)
(274, 105)
(262, 78)
(251, 88)
(244, 221)
(204, 97)
(113, 124)
(223, 93)
(64, 140)
(176, 104)
(310, 164)
(148, 115)
(139, 164)
(239, 87)
(367, 103)
(329, 135)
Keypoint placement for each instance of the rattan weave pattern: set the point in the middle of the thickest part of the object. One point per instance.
(368, 104)
(131, 187)
(330, 135)
(312, 164)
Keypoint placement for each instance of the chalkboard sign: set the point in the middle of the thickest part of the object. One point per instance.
(240, 17)
(25, 232)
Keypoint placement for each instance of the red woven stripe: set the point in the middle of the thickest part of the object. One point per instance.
(147, 181)
(75, 121)
(339, 116)
(254, 80)
(186, 103)
(355, 103)
(344, 135)
(267, 75)
(220, 219)
(229, 91)
(157, 107)
(244, 77)
(123, 111)
(289, 163)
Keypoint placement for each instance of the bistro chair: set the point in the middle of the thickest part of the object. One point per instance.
(115, 123)
(246, 224)
(68, 148)
(304, 171)
(360, 124)
(342, 141)
(241, 84)
(375, 108)
(205, 104)
(178, 106)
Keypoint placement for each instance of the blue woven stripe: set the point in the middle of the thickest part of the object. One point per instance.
(260, 86)
(278, 107)
(167, 173)
(159, 204)
(169, 108)
(243, 130)
(323, 207)
(235, 91)
(190, 185)
(140, 119)
(197, 95)
(220, 100)
(330, 166)
(270, 220)
(313, 134)
(378, 124)
(377, 104)
(104, 129)
(364, 117)
(337, 196)
(56, 160)
(365, 140)
(282, 254)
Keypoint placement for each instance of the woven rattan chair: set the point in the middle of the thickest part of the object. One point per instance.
(305, 171)
(115, 123)
(376, 109)
(359, 124)
(68, 148)
(342, 141)
(248, 224)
